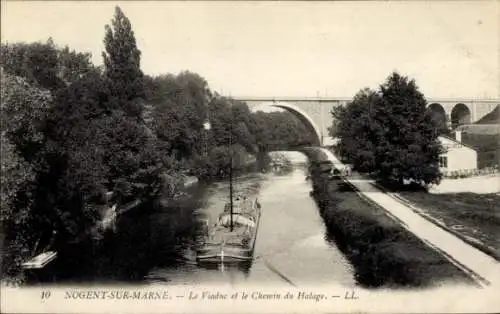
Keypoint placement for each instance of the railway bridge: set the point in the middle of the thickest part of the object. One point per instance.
(314, 112)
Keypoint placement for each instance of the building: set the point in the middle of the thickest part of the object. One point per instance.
(458, 156)
(458, 159)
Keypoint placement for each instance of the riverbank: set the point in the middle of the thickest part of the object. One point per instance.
(381, 251)
(475, 218)
(125, 253)
(155, 234)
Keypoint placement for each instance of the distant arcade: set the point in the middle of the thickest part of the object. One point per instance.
(315, 112)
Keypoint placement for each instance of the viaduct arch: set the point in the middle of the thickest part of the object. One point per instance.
(315, 112)
(303, 117)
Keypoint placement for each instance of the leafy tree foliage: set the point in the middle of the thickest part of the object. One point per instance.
(390, 133)
(133, 162)
(37, 62)
(72, 132)
(16, 173)
(73, 65)
(358, 130)
(179, 109)
(44, 64)
(15, 208)
(96, 143)
(280, 131)
(182, 103)
(85, 145)
(123, 75)
(22, 111)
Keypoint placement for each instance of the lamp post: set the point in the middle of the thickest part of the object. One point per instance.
(206, 127)
(231, 174)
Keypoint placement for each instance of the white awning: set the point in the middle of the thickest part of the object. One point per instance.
(226, 220)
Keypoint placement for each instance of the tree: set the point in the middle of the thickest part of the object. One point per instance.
(279, 130)
(74, 65)
(180, 106)
(16, 180)
(36, 62)
(358, 130)
(130, 155)
(46, 65)
(123, 75)
(23, 110)
(259, 127)
(390, 133)
(74, 172)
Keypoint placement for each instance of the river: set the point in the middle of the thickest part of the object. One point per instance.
(292, 248)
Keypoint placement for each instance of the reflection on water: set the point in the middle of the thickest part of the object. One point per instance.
(291, 244)
(290, 248)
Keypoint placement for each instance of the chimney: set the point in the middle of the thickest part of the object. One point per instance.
(458, 136)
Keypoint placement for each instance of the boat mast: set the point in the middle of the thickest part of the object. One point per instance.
(231, 170)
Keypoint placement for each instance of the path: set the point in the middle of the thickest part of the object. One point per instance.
(483, 267)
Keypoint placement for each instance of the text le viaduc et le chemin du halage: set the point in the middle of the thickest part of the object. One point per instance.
(198, 295)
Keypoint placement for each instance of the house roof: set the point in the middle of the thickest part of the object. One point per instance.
(455, 141)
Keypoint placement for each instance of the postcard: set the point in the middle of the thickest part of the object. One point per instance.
(250, 157)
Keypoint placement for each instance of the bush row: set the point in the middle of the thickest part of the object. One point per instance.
(468, 173)
(381, 251)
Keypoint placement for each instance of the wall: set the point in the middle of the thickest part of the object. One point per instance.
(459, 157)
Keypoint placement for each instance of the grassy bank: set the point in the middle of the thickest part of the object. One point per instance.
(475, 217)
(381, 251)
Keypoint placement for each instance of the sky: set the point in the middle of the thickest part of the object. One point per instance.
(292, 49)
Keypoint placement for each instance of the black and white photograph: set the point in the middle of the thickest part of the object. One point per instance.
(250, 156)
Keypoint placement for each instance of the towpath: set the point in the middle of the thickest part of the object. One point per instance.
(484, 268)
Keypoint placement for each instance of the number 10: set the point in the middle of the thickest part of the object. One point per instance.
(45, 294)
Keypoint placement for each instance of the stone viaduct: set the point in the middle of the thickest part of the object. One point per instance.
(315, 112)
